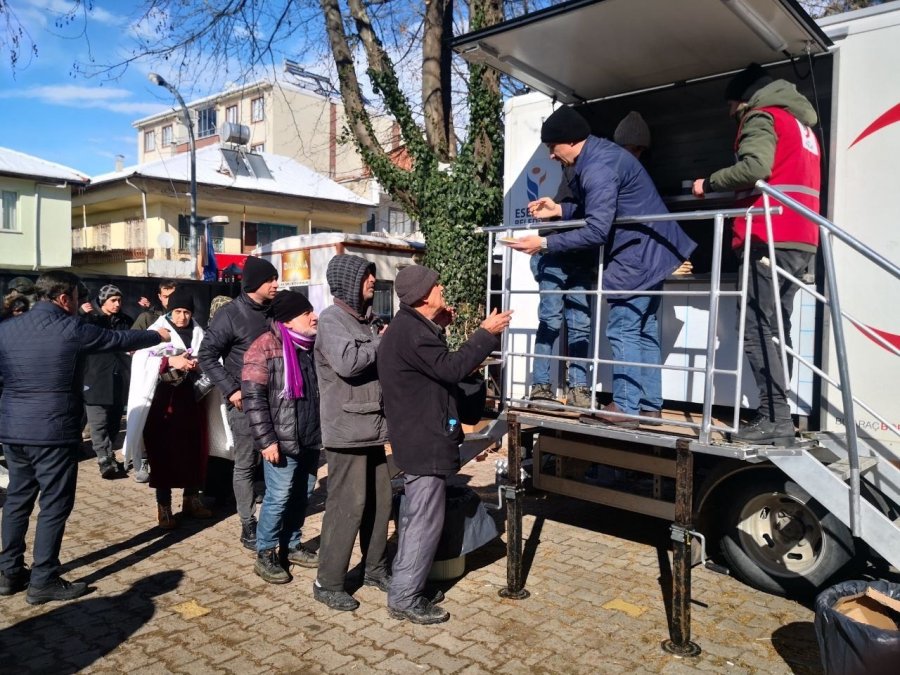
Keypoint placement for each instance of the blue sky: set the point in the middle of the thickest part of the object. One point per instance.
(81, 122)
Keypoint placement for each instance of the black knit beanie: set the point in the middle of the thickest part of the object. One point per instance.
(746, 83)
(414, 282)
(288, 305)
(257, 272)
(181, 298)
(564, 126)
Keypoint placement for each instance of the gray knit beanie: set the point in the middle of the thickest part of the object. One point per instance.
(632, 130)
(414, 282)
(107, 292)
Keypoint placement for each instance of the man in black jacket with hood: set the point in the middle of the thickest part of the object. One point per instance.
(419, 377)
(228, 337)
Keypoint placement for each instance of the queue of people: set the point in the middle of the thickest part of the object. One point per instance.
(293, 383)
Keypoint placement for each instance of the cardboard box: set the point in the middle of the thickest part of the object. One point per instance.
(872, 608)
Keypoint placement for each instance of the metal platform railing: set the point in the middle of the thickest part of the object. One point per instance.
(709, 370)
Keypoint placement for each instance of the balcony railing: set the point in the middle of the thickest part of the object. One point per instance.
(184, 244)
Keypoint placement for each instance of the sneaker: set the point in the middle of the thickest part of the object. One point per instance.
(541, 392)
(10, 585)
(142, 475)
(165, 518)
(108, 468)
(422, 612)
(268, 569)
(193, 507)
(248, 534)
(580, 397)
(56, 590)
(342, 601)
(382, 582)
(303, 557)
(763, 432)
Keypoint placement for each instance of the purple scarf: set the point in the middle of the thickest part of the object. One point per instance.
(293, 377)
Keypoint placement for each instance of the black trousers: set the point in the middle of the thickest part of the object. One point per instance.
(358, 503)
(761, 327)
(105, 422)
(48, 472)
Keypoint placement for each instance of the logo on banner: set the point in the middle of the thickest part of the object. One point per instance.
(533, 181)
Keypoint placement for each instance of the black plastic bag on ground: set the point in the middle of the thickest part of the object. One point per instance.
(849, 647)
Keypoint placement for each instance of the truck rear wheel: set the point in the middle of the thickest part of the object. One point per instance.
(780, 540)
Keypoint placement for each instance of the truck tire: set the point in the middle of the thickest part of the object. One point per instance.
(778, 539)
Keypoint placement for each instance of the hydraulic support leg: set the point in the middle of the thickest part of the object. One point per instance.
(512, 494)
(679, 641)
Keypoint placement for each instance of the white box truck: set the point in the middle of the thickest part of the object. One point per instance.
(783, 516)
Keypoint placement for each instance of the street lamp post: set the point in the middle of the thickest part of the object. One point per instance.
(157, 79)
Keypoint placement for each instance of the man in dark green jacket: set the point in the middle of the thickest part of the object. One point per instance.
(775, 142)
(419, 377)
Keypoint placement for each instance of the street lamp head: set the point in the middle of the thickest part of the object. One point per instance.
(157, 79)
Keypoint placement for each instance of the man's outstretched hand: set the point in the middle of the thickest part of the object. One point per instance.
(497, 322)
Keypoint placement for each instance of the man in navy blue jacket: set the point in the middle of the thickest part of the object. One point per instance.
(608, 182)
(41, 361)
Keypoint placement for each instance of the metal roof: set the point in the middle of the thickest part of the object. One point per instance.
(590, 49)
(225, 167)
(15, 163)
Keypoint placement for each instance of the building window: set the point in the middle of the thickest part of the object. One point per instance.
(260, 234)
(258, 148)
(399, 222)
(103, 236)
(167, 137)
(135, 233)
(231, 114)
(216, 232)
(206, 122)
(77, 238)
(8, 205)
(149, 141)
(257, 110)
(383, 302)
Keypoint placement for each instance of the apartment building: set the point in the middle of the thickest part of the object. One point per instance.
(135, 221)
(283, 119)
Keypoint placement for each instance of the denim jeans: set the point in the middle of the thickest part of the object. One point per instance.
(633, 332)
(283, 509)
(563, 272)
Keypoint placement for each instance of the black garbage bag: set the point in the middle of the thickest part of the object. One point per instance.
(467, 524)
(849, 647)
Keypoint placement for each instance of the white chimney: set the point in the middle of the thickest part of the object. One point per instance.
(120, 162)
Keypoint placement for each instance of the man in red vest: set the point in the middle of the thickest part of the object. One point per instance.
(775, 142)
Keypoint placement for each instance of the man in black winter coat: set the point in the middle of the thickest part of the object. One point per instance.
(419, 378)
(106, 378)
(228, 337)
(41, 360)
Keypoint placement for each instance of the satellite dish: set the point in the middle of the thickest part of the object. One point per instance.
(165, 240)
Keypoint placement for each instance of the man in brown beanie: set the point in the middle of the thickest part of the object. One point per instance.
(233, 330)
(419, 377)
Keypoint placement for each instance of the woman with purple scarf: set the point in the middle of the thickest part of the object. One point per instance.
(281, 401)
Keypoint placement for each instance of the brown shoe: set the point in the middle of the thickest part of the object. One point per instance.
(165, 518)
(611, 414)
(656, 418)
(192, 507)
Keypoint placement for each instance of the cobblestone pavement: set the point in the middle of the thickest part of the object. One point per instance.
(188, 602)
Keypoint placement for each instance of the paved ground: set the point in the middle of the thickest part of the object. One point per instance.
(187, 601)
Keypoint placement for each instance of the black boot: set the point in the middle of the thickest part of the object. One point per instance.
(248, 534)
(268, 568)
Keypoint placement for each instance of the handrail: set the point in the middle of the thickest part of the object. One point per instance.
(827, 231)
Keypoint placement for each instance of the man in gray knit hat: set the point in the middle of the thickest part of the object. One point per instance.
(106, 379)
